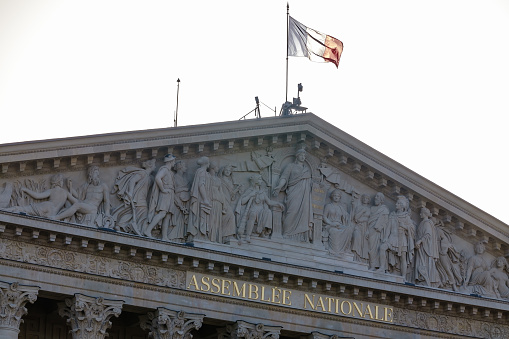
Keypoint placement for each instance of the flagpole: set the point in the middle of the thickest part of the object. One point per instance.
(287, 24)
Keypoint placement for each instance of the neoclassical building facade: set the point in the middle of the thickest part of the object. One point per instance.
(282, 227)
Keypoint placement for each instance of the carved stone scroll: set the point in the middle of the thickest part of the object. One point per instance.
(242, 329)
(89, 316)
(13, 298)
(168, 324)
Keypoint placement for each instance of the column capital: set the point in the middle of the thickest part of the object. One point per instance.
(89, 317)
(13, 298)
(243, 329)
(169, 324)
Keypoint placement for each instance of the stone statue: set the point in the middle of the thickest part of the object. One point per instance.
(499, 271)
(253, 209)
(87, 201)
(162, 199)
(296, 181)
(132, 187)
(449, 258)
(360, 218)
(377, 226)
(230, 189)
(199, 212)
(426, 252)
(57, 197)
(337, 231)
(397, 247)
(5, 195)
(222, 220)
(182, 197)
(478, 275)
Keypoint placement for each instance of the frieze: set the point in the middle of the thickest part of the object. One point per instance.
(286, 195)
(91, 264)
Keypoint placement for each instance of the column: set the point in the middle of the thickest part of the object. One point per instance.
(89, 317)
(13, 298)
(168, 324)
(243, 329)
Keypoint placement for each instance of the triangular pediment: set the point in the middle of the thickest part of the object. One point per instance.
(264, 188)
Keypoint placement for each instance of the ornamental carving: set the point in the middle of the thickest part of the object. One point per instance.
(89, 317)
(243, 329)
(93, 264)
(13, 298)
(168, 324)
(258, 200)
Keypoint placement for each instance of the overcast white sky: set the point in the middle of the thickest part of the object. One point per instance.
(424, 82)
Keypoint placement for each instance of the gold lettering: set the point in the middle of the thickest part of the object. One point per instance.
(349, 307)
(236, 289)
(337, 306)
(388, 314)
(274, 295)
(356, 307)
(215, 283)
(205, 281)
(368, 310)
(376, 314)
(319, 303)
(262, 294)
(330, 304)
(253, 291)
(225, 286)
(311, 303)
(194, 283)
(285, 297)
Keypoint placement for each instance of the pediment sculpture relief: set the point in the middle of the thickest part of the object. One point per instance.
(283, 195)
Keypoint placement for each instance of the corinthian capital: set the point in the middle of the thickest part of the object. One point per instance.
(168, 324)
(13, 298)
(242, 329)
(88, 316)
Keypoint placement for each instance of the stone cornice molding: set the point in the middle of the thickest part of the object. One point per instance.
(13, 298)
(89, 317)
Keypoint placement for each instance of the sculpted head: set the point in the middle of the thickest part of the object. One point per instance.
(180, 166)
(300, 155)
(425, 213)
(149, 164)
(93, 175)
(479, 248)
(501, 263)
(213, 167)
(203, 162)
(402, 204)
(336, 195)
(365, 199)
(57, 180)
(379, 198)
(226, 171)
(256, 180)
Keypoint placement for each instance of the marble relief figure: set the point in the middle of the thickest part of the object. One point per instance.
(426, 252)
(181, 212)
(449, 258)
(499, 273)
(295, 181)
(397, 247)
(90, 202)
(377, 226)
(222, 220)
(337, 231)
(360, 218)
(132, 187)
(56, 197)
(253, 210)
(161, 204)
(200, 206)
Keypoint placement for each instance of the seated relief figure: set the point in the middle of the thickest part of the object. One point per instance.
(132, 187)
(253, 209)
(162, 199)
(337, 231)
(426, 252)
(377, 225)
(360, 218)
(222, 220)
(478, 276)
(90, 202)
(397, 246)
(56, 195)
(295, 180)
(499, 272)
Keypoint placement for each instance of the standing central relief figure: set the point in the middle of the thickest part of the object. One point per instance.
(246, 200)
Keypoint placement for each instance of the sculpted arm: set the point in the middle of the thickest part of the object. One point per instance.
(37, 195)
(159, 180)
(106, 199)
